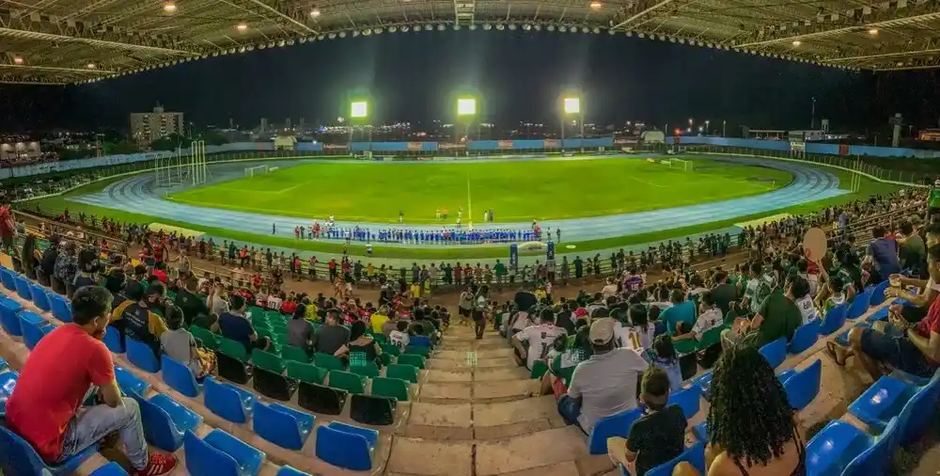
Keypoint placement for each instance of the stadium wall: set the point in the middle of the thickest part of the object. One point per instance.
(811, 147)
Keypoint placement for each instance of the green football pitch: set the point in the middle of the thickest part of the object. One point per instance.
(515, 191)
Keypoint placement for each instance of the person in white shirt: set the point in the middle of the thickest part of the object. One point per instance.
(804, 300)
(540, 338)
(709, 318)
(637, 333)
(610, 289)
(399, 336)
(605, 384)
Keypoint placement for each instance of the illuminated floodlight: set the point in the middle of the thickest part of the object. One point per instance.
(18, 60)
(466, 106)
(242, 27)
(169, 7)
(358, 110)
(572, 105)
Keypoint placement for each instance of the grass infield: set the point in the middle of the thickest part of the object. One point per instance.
(584, 190)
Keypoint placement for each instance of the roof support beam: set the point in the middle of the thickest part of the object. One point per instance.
(286, 17)
(55, 69)
(36, 35)
(641, 14)
(464, 11)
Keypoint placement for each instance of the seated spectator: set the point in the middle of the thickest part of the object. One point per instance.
(899, 344)
(724, 293)
(605, 384)
(136, 319)
(803, 299)
(194, 307)
(751, 427)
(636, 332)
(47, 265)
(217, 300)
(361, 348)
(180, 345)
(159, 270)
(46, 405)
(66, 265)
(134, 289)
(331, 336)
(659, 435)
(399, 336)
(882, 254)
(115, 278)
(236, 326)
(832, 294)
(709, 318)
(392, 323)
(300, 331)
(539, 339)
(378, 319)
(288, 305)
(920, 302)
(760, 285)
(563, 358)
(777, 316)
(664, 356)
(681, 316)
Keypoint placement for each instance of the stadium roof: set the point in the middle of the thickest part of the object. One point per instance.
(74, 41)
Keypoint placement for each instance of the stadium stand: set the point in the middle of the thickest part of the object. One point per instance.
(465, 401)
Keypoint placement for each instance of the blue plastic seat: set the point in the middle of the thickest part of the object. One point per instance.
(165, 421)
(775, 352)
(879, 315)
(221, 454)
(290, 471)
(9, 319)
(802, 386)
(608, 427)
(878, 293)
(179, 377)
(694, 455)
(19, 458)
(346, 446)
(34, 328)
(689, 400)
(804, 337)
(704, 383)
(842, 449)
(141, 355)
(282, 425)
(916, 414)
(9, 279)
(834, 319)
(110, 469)
(884, 399)
(22, 288)
(61, 308)
(859, 305)
(129, 383)
(113, 340)
(420, 341)
(701, 431)
(39, 297)
(228, 401)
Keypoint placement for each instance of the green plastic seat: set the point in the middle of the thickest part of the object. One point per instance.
(297, 354)
(233, 349)
(408, 373)
(209, 340)
(538, 370)
(411, 359)
(274, 315)
(267, 361)
(263, 331)
(390, 387)
(305, 372)
(418, 350)
(256, 312)
(367, 370)
(347, 381)
(712, 336)
(386, 359)
(328, 362)
(391, 349)
(686, 346)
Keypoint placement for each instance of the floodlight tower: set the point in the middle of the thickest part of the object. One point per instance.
(359, 114)
(571, 107)
(466, 112)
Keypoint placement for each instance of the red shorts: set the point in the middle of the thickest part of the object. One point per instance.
(558, 387)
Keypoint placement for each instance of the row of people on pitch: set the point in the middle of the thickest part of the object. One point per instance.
(455, 236)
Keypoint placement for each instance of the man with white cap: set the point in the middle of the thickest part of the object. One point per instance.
(605, 384)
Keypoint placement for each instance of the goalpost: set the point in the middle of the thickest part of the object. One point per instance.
(685, 164)
(256, 170)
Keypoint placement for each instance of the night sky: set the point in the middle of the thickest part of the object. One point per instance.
(519, 76)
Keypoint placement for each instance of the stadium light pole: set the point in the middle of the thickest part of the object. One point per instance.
(466, 111)
(359, 113)
(571, 106)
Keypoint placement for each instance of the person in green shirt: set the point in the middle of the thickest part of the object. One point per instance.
(913, 251)
(778, 316)
(565, 355)
(500, 269)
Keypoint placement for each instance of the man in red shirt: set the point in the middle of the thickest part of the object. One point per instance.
(912, 348)
(46, 405)
(7, 229)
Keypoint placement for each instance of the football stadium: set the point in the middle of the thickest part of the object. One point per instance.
(611, 302)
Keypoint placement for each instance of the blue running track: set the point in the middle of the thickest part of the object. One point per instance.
(136, 194)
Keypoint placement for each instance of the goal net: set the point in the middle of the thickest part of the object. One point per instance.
(257, 170)
(685, 165)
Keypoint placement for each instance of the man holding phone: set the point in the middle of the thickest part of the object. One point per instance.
(62, 370)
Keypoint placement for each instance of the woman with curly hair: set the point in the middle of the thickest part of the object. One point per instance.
(751, 428)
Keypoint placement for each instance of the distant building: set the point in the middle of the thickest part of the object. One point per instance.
(147, 127)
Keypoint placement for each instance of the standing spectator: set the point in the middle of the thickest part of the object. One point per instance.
(913, 251)
(681, 316)
(46, 405)
(7, 229)
(605, 384)
(882, 255)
